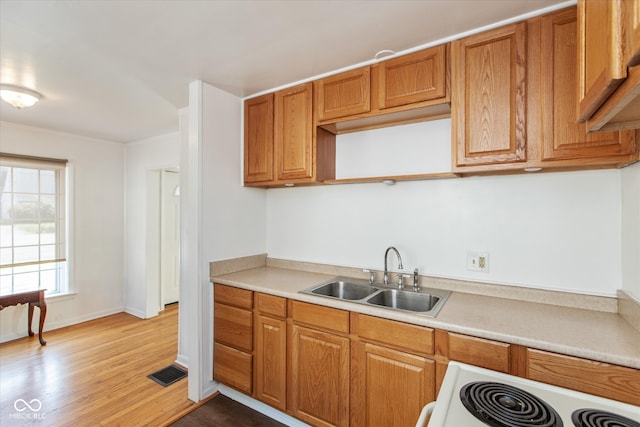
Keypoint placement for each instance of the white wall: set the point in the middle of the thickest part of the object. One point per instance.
(143, 162)
(547, 230)
(631, 230)
(221, 218)
(97, 226)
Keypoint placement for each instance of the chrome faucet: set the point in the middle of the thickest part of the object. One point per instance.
(386, 255)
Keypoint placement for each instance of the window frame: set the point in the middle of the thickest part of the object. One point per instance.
(58, 265)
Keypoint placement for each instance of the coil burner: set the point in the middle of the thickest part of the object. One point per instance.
(502, 405)
(599, 418)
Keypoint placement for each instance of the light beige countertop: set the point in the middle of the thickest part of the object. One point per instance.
(590, 334)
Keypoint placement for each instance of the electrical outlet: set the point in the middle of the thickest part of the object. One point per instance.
(478, 261)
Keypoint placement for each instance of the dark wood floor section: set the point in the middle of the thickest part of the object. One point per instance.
(221, 411)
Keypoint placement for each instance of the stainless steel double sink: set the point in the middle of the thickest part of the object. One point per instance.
(427, 302)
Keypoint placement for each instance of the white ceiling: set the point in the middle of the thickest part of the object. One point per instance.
(119, 70)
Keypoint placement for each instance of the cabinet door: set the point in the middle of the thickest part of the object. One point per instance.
(318, 392)
(632, 10)
(270, 359)
(258, 139)
(416, 77)
(343, 94)
(488, 97)
(600, 53)
(389, 387)
(293, 132)
(562, 137)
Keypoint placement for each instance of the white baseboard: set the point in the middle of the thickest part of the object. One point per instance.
(260, 407)
(49, 326)
(135, 312)
(183, 361)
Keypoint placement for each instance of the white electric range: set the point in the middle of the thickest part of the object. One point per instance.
(499, 400)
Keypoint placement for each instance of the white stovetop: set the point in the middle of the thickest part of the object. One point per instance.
(450, 412)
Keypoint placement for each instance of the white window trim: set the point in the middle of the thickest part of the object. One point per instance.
(65, 285)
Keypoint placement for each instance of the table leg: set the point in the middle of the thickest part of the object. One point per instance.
(29, 319)
(43, 314)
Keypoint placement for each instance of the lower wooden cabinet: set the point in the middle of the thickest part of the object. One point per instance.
(330, 367)
(318, 376)
(602, 379)
(481, 352)
(233, 367)
(233, 337)
(271, 350)
(389, 387)
(392, 371)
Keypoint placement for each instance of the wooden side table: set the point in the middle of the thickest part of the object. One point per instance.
(33, 298)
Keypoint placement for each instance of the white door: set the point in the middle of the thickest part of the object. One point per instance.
(170, 237)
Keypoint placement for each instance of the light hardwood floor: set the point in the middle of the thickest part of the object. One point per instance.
(93, 374)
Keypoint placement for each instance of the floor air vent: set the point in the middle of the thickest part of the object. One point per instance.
(168, 375)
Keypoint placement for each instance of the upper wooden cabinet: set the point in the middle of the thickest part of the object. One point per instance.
(405, 89)
(293, 132)
(343, 94)
(608, 57)
(258, 139)
(485, 141)
(488, 108)
(562, 137)
(282, 146)
(600, 53)
(633, 33)
(411, 78)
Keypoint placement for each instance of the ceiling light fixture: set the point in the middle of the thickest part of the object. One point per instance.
(18, 96)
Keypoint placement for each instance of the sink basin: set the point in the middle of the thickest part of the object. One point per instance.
(344, 290)
(403, 300)
(426, 302)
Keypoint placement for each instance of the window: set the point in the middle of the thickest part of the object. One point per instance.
(32, 225)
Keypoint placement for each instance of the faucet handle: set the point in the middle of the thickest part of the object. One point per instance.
(400, 277)
(415, 280)
(372, 275)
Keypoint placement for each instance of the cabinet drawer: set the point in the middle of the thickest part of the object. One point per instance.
(319, 316)
(232, 367)
(413, 338)
(601, 379)
(479, 352)
(233, 326)
(271, 305)
(233, 296)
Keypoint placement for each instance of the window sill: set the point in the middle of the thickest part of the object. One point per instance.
(60, 297)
